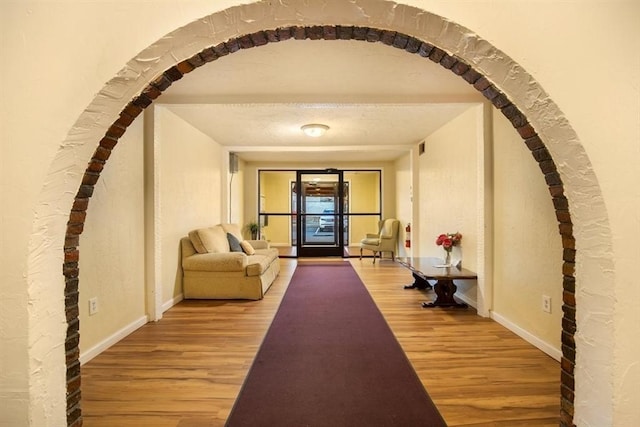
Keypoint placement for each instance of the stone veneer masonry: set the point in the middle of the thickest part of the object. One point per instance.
(397, 40)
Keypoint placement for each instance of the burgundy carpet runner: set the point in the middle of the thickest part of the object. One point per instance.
(330, 359)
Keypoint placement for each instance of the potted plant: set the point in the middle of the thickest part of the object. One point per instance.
(253, 228)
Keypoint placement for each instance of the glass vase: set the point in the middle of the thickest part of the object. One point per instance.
(447, 258)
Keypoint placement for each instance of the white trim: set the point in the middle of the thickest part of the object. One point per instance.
(122, 333)
(153, 289)
(485, 219)
(527, 336)
(175, 300)
(467, 300)
(113, 339)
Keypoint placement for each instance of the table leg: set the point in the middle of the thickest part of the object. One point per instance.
(445, 288)
(418, 283)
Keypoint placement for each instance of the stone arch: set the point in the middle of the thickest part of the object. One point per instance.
(326, 32)
(538, 121)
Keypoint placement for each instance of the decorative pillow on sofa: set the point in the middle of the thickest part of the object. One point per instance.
(233, 229)
(247, 248)
(209, 240)
(234, 243)
(196, 241)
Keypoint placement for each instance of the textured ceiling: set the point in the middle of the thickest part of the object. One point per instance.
(377, 100)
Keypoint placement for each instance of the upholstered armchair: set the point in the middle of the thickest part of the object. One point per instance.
(386, 240)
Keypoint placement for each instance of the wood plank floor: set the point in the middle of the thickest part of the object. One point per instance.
(186, 370)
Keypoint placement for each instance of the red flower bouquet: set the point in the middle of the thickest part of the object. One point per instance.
(448, 241)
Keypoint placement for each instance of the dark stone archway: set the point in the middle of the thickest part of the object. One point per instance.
(394, 39)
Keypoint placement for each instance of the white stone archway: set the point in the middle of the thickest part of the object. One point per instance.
(594, 265)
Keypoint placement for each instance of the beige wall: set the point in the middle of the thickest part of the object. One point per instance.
(448, 187)
(448, 193)
(52, 120)
(235, 213)
(187, 174)
(112, 247)
(188, 188)
(527, 260)
(404, 201)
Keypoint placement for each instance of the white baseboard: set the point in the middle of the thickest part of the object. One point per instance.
(109, 341)
(467, 300)
(113, 339)
(167, 305)
(527, 336)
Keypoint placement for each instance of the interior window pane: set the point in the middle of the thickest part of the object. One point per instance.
(277, 229)
(275, 188)
(364, 192)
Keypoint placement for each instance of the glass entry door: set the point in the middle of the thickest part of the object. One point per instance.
(320, 206)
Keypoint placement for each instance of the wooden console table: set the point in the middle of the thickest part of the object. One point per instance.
(424, 269)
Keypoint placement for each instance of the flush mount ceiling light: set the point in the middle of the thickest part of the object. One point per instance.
(315, 130)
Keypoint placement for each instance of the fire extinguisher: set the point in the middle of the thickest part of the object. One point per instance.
(407, 241)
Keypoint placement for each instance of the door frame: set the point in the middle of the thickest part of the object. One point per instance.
(303, 250)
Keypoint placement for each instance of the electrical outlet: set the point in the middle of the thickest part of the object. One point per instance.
(93, 306)
(546, 303)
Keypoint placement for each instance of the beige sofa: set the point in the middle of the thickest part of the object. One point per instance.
(214, 266)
